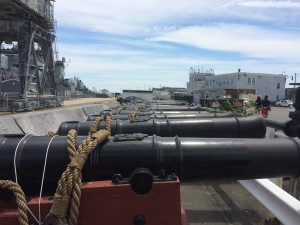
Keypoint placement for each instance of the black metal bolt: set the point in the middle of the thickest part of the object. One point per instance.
(139, 220)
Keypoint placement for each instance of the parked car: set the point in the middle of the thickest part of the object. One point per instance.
(286, 103)
(133, 99)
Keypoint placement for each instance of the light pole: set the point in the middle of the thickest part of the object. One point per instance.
(295, 85)
(237, 85)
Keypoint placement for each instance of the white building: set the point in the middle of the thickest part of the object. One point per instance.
(235, 85)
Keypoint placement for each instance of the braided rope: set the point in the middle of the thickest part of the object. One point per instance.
(133, 113)
(94, 126)
(67, 197)
(51, 133)
(120, 109)
(20, 197)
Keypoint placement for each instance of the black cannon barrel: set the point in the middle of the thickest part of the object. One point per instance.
(152, 107)
(275, 124)
(121, 114)
(118, 111)
(114, 117)
(179, 112)
(243, 127)
(126, 112)
(147, 113)
(192, 115)
(168, 102)
(290, 128)
(189, 158)
(168, 116)
(175, 108)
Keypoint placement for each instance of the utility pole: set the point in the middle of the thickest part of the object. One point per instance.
(295, 83)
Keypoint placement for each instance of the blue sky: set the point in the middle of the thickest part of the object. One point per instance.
(133, 44)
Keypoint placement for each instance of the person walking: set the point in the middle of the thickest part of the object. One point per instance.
(266, 107)
(258, 104)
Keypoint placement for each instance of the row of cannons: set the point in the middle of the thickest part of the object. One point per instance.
(135, 171)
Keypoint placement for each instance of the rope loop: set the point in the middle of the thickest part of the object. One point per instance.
(65, 208)
(20, 197)
(133, 113)
(120, 109)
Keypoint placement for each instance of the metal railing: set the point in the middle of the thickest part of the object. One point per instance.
(7, 99)
(282, 205)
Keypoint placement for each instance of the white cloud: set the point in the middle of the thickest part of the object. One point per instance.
(271, 4)
(251, 41)
(135, 17)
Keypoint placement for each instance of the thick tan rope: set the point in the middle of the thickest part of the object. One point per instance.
(94, 126)
(120, 109)
(67, 197)
(133, 113)
(51, 133)
(20, 197)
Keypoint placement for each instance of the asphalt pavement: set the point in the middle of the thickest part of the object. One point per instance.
(281, 114)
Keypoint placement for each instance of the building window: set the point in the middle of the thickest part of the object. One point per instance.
(278, 85)
(251, 80)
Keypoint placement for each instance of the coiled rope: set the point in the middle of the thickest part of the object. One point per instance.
(65, 208)
(20, 198)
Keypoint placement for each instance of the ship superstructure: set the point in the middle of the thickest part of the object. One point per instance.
(27, 37)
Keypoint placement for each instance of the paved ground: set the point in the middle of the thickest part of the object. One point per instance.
(279, 113)
(221, 202)
(110, 102)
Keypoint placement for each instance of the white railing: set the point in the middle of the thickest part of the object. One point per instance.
(281, 204)
(274, 133)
